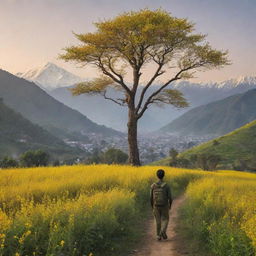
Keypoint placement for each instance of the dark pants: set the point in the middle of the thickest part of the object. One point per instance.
(161, 214)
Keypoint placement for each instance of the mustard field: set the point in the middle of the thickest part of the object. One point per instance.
(97, 209)
(220, 212)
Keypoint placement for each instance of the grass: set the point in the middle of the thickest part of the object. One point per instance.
(98, 209)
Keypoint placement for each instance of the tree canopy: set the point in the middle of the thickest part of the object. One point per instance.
(136, 39)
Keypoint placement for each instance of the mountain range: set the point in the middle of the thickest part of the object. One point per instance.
(107, 113)
(40, 108)
(216, 118)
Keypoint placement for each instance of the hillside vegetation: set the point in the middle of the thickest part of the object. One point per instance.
(96, 210)
(236, 149)
(18, 135)
(239, 145)
(216, 118)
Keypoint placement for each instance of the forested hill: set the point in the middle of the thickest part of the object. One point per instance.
(235, 150)
(216, 118)
(237, 146)
(18, 134)
(40, 108)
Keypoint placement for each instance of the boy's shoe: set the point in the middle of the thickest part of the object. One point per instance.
(158, 238)
(164, 236)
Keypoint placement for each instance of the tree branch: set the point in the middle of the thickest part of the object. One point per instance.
(107, 73)
(157, 73)
(114, 72)
(122, 103)
(177, 77)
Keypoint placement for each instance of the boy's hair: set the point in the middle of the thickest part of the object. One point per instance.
(160, 173)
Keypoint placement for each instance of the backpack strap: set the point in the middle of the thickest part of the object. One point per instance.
(154, 185)
(163, 184)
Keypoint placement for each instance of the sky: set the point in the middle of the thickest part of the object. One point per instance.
(33, 32)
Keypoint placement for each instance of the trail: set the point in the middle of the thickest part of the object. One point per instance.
(170, 247)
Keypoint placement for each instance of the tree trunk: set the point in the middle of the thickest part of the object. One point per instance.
(134, 157)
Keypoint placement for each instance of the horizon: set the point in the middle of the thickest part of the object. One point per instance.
(31, 38)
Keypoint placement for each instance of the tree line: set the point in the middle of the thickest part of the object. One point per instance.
(28, 159)
(41, 158)
(209, 162)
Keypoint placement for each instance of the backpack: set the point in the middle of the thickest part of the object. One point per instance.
(159, 194)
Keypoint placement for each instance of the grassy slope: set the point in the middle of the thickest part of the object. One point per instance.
(239, 144)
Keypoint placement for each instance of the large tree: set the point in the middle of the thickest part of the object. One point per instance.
(133, 41)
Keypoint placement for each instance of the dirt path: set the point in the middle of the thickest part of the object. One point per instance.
(170, 247)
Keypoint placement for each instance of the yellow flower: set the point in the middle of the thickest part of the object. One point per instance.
(2, 240)
(24, 236)
(62, 242)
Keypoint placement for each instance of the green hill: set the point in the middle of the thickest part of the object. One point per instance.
(216, 118)
(237, 146)
(18, 135)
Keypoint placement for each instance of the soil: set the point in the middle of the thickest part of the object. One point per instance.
(173, 246)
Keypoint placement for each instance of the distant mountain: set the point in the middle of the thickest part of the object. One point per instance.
(105, 112)
(50, 76)
(36, 105)
(110, 114)
(203, 93)
(237, 147)
(216, 118)
(18, 135)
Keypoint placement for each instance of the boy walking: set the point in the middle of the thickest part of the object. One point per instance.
(161, 201)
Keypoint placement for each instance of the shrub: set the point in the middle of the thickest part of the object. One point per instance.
(8, 162)
(114, 156)
(34, 158)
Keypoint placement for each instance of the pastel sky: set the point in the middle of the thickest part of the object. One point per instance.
(33, 32)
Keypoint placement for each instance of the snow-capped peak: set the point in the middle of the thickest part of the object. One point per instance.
(240, 81)
(50, 76)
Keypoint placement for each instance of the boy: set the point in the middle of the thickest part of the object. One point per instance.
(161, 202)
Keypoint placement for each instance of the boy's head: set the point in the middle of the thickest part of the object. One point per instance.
(160, 174)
